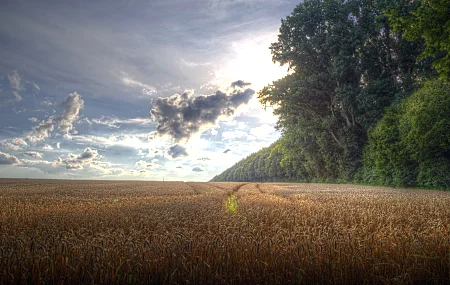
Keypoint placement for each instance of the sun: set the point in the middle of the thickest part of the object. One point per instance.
(250, 61)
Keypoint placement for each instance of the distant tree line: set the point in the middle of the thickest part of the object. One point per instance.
(367, 97)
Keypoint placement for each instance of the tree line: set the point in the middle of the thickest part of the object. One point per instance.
(366, 99)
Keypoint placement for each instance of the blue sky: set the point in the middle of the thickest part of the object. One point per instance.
(134, 89)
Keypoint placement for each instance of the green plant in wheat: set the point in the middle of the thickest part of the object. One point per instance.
(231, 204)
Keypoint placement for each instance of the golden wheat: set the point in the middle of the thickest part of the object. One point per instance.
(98, 232)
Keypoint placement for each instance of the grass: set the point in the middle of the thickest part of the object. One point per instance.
(98, 232)
(231, 204)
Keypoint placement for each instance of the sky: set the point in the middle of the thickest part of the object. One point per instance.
(145, 90)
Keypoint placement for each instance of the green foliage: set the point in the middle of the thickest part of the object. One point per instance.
(428, 20)
(353, 65)
(410, 146)
(264, 165)
(231, 204)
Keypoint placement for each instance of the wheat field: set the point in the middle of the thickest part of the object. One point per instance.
(105, 232)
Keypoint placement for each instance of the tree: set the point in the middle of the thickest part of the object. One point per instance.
(428, 20)
(410, 146)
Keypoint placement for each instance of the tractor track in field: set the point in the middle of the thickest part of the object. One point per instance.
(236, 188)
(202, 188)
(258, 186)
(196, 191)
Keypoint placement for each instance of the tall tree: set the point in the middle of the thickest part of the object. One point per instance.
(428, 20)
(346, 66)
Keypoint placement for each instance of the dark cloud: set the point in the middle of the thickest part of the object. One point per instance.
(88, 155)
(197, 169)
(144, 164)
(227, 151)
(7, 159)
(77, 161)
(240, 84)
(204, 158)
(177, 151)
(34, 154)
(181, 116)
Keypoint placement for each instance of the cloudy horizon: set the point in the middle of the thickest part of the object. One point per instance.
(148, 91)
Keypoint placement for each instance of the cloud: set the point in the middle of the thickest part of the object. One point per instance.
(145, 89)
(115, 123)
(17, 96)
(15, 80)
(144, 164)
(77, 161)
(33, 119)
(204, 158)
(88, 155)
(41, 131)
(6, 159)
(227, 151)
(72, 106)
(197, 169)
(34, 154)
(19, 141)
(194, 64)
(182, 116)
(46, 103)
(35, 87)
(240, 84)
(10, 146)
(47, 147)
(177, 151)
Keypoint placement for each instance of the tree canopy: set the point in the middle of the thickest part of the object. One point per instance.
(351, 62)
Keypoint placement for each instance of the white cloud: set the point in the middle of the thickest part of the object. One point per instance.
(15, 80)
(47, 147)
(41, 131)
(194, 64)
(234, 135)
(33, 119)
(144, 88)
(116, 122)
(17, 96)
(19, 141)
(262, 131)
(72, 106)
(36, 87)
(46, 103)
(10, 146)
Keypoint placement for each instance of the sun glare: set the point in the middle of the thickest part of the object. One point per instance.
(251, 62)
